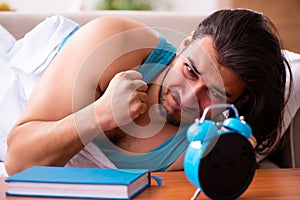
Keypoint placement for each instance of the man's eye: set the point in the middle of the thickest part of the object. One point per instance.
(189, 72)
(217, 96)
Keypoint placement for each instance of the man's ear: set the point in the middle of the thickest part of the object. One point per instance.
(185, 42)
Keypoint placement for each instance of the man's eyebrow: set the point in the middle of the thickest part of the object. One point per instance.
(193, 64)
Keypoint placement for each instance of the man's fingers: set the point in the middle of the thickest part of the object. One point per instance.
(141, 86)
(138, 110)
(136, 77)
(253, 141)
(143, 97)
(133, 75)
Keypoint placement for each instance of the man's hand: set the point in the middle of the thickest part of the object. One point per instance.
(124, 100)
(253, 141)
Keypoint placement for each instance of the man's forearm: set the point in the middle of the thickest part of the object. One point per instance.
(50, 142)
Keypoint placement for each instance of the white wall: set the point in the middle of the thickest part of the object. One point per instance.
(191, 6)
(50, 5)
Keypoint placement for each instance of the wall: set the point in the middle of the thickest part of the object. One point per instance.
(285, 14)
(50, 5)
(190, 6)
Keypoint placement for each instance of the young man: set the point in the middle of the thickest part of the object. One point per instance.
(119, 90)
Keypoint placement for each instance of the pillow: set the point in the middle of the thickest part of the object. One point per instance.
(293, 103)
(7, 40)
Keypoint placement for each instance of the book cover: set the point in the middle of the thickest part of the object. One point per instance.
(78, 182)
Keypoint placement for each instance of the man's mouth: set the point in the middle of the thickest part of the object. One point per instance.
(175, 102)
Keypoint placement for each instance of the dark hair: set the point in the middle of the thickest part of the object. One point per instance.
(248, 43)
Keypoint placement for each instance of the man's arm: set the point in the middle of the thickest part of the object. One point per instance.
(69, 106)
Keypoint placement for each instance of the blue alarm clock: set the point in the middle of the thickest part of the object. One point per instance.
(220, 160)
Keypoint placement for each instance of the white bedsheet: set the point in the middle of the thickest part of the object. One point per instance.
(2, 170)
(22, 63)
(90, 156)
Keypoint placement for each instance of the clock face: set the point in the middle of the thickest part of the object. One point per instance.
(228, 168)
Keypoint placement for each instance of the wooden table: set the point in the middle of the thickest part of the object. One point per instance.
(267, 184)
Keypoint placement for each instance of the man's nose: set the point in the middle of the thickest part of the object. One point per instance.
(192, 94)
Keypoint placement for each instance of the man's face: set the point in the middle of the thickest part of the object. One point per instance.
(195, 81)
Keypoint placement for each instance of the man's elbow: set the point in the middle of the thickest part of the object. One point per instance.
(11, 157)
(13, 163)
(9, 166)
